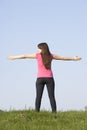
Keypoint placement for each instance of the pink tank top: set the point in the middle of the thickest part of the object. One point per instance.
(42, 71)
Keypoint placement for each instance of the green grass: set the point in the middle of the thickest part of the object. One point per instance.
(31, 120)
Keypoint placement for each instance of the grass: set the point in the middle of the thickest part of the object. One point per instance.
(44, 120)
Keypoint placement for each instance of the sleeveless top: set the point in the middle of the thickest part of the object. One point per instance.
(42, 71)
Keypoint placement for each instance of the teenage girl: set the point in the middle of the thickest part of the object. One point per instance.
(45, 75)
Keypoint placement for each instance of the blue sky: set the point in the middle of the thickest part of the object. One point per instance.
(24, 24)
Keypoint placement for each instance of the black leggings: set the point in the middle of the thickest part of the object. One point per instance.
(40, 83)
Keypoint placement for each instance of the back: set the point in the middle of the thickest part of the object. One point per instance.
(42, 71)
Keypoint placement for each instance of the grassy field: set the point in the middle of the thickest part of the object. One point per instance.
(31, 120)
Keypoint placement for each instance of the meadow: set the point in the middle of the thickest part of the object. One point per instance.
(44, 120)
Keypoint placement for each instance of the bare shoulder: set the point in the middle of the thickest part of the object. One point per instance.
(55, 57)
(30, 56)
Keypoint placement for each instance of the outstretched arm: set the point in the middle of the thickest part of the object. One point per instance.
(56, 57)
(33, 56)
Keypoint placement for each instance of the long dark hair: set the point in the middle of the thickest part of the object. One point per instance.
(46, 55)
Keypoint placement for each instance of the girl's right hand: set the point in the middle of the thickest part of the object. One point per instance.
(77, 58)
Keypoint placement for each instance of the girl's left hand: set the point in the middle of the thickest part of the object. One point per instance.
(11, 57)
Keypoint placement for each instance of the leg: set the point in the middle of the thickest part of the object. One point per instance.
(39, 92)
(51, 87)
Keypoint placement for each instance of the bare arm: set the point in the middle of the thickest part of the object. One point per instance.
(56, 57)
(33, 56)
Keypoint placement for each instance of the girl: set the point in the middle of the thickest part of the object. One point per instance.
(45, 75)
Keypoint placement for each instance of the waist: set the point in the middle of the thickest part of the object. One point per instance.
(47, 74)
